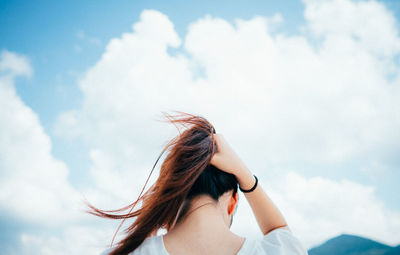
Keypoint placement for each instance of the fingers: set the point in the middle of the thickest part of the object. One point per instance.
(218, 155)
(218, 138)
(214, 160)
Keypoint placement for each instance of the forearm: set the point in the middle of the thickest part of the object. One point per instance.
(267, 214)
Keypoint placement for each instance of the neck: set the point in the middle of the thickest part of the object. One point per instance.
(204, 228)
(204, 215)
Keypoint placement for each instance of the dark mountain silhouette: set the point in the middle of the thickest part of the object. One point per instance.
(394, 251)
(353, 245)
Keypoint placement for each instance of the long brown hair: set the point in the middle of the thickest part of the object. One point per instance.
(184, 174)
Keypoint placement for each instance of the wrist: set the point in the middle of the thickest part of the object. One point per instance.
(245, 179)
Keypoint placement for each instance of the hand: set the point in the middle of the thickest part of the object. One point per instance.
(226, 159)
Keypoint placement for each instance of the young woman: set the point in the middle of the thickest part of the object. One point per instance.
(194, 199)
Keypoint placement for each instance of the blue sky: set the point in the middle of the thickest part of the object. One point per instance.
(309, 82)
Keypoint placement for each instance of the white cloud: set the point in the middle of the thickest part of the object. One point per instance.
(337, 95)
(33, 185)
(72, 240)
(319, 208)
(15, 64)
(370, 24)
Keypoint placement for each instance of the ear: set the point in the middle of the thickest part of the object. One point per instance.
(232, 203)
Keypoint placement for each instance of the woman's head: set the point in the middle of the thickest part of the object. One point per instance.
(185, 174)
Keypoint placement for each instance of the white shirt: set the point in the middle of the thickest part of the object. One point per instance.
(277, 242)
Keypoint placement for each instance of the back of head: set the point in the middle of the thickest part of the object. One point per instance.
(213, 182)
(185, 173)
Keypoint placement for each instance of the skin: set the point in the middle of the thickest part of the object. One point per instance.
(211, 220)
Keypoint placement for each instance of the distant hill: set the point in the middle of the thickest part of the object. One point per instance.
(353, 245)
(394, 251)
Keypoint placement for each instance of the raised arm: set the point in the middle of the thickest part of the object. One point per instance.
(267, 214)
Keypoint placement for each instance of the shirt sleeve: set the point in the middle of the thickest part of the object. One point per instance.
(281, 241)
